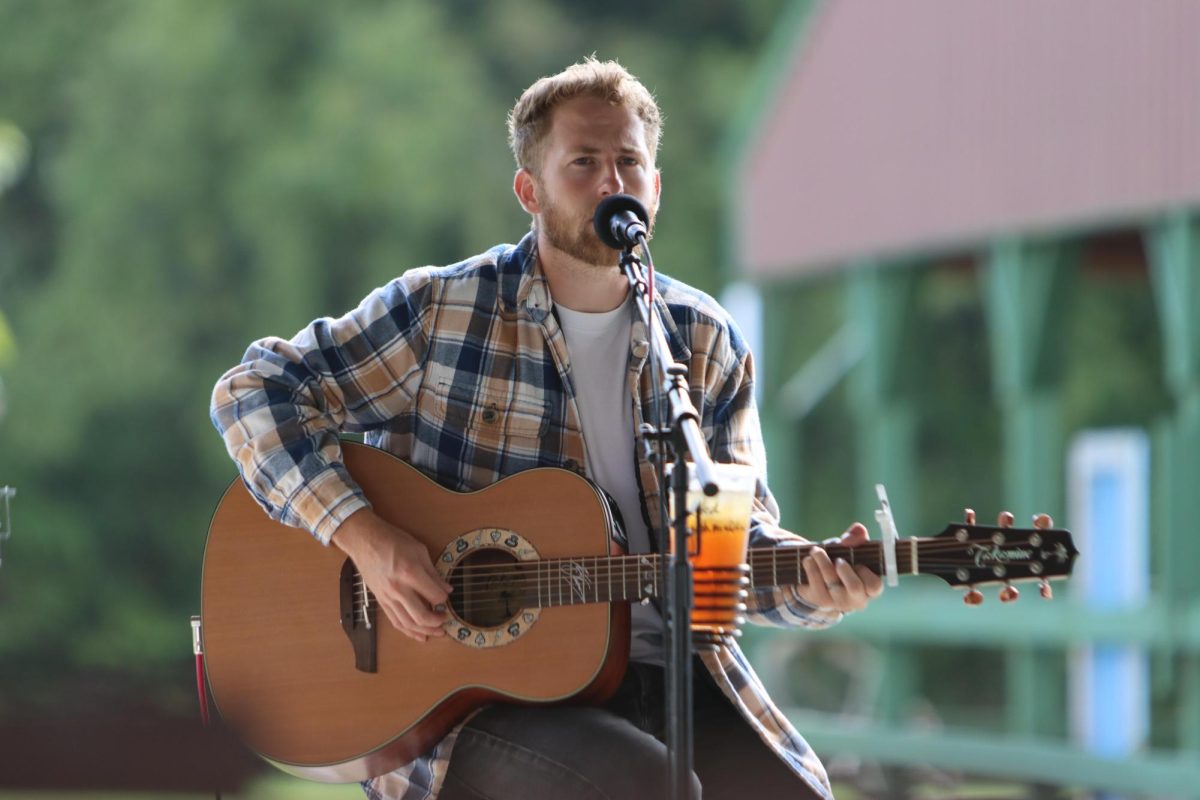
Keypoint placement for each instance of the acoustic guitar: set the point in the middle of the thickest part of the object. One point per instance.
(311, 678)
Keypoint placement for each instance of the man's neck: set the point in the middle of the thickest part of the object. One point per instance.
(579, 286)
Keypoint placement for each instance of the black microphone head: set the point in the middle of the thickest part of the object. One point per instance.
(613, 206)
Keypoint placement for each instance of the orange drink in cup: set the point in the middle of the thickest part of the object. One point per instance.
(720, 532)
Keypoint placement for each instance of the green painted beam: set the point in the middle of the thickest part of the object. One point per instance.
(878, 303)
(1173, 247)
(929, 616)
(788, 38)
(1027, 284)
(781, 430)
(1189, 708)
(1032, 759)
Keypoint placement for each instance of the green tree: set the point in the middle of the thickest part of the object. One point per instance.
(205, 173)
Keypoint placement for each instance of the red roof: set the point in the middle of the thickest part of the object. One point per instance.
(927, 124)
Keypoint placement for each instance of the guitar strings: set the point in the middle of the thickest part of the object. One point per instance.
(757, 559)
(536, 581)
(609, 567)
(520, 577)
(548, 569)
(527, 598)
(554, 587)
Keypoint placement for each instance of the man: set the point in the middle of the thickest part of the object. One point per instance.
(529, 356)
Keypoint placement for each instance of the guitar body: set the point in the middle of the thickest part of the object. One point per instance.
(282, 669)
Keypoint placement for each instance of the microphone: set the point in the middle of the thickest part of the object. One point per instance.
(620, 221)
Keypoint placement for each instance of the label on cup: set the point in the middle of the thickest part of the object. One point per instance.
(720, 525)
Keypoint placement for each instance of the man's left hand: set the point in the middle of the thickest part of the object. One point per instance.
(837, 585)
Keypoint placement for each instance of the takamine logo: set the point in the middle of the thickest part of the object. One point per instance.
(994, 554)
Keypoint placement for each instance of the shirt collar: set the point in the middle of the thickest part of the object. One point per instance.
(524, 288)
(523, 285)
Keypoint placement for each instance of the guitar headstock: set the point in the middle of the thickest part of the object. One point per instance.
(971, 555)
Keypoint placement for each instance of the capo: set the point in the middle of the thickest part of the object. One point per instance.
(888, 535)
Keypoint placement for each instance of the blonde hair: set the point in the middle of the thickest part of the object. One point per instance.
(529, 120)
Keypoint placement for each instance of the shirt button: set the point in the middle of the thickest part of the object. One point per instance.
(572, 465)
(489, 414)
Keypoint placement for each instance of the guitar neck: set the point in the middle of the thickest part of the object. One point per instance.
(771, 567)
(962, 555)
(604, 579)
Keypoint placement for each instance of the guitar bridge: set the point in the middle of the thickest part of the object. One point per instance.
(358, 617)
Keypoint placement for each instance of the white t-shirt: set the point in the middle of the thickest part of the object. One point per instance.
(598, 346)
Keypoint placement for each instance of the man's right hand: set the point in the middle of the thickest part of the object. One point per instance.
(398, 571)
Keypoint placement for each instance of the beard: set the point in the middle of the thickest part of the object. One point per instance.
(578, 239)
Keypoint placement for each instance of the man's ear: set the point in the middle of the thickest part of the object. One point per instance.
(657, 188)
(525, 188)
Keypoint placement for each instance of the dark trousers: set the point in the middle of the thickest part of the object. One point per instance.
(614, 752)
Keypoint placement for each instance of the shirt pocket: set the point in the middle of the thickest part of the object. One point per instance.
(491, 417)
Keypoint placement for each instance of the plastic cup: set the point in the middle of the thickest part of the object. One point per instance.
(720, 532)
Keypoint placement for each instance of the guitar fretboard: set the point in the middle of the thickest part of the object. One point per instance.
(604, 579)
(966, 557)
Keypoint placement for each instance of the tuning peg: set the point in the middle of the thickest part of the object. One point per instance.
(1005, 519)
(1042, 521)
(973, 597)
(1009, 593)
(969, 514)
(1047, 592)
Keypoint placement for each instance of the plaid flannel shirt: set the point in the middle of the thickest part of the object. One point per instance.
(463, 372)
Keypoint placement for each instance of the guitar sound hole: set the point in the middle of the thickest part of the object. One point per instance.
(487, 591)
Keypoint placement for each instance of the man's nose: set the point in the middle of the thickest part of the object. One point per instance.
(612, 183)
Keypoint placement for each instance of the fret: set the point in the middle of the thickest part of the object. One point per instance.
(541, 603)
(775, 567)
(912, 543)
(624, 583)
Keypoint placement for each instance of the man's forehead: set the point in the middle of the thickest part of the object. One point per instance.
(595, 125)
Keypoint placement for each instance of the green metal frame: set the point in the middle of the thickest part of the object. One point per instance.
(1173, 246)
(1026, 288)
(787, 40)
(1025, 282)
(1174, 775)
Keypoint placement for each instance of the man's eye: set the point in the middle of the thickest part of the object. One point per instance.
(583, 161)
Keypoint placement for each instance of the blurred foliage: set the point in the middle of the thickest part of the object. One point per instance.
(8, 345)
(14, 152)
(205, 172)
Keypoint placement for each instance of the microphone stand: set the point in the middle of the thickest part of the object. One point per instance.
(683, 437)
